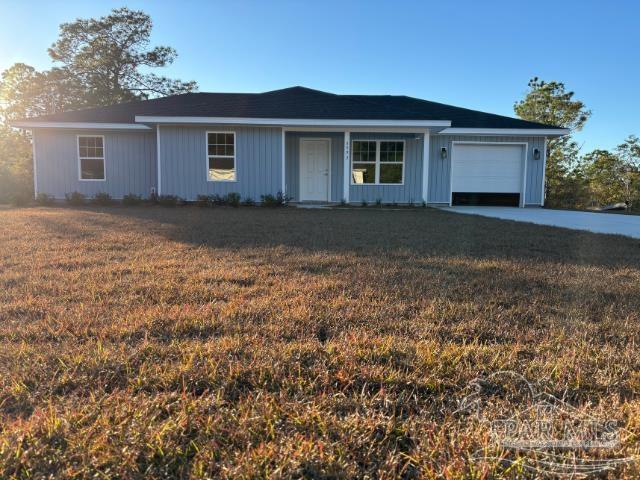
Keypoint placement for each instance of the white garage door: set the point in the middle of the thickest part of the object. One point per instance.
(487, 168)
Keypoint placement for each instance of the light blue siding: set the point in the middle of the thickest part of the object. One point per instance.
(184, 162)
(130, 163)
(411, 190)
(440, 170)
(293, 163)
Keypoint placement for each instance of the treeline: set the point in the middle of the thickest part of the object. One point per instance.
(96, 62)
(593, 180)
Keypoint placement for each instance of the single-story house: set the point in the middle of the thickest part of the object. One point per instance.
(312, 146)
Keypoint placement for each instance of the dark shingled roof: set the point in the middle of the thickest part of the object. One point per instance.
(294, 103)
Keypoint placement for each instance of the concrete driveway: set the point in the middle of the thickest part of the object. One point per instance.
(616, 224)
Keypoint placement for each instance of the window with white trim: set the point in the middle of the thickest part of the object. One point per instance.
(377, 162)
(91, 157)
(221, 156)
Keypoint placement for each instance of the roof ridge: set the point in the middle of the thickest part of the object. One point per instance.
(475, 111)
(371, 102)
(300, 87)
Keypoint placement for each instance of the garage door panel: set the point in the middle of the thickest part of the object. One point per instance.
(492, 184)
(487, 168)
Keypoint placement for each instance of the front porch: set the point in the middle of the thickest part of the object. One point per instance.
(355, 166)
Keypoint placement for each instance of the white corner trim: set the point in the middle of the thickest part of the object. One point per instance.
(284, 163)
(507, 131)
(346, 166)
(35, 165)
(425, 165)
(293, 121)
(80, 125)
(544, 171)
(159, 164)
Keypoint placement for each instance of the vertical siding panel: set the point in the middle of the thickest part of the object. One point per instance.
(439, 172)
(257, 162)
(124, 158)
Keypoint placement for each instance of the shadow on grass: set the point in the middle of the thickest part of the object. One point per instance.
(368, 232)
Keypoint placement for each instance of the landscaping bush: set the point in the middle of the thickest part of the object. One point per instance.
(75, 198)
(44, 199)
(102, 199)
(248, 202)
(169, 200)
(131, 199)
(203, 201)
(216, 200)
(232, 199)
(278, 200)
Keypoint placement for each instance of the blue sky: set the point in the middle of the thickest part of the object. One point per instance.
(469, 53)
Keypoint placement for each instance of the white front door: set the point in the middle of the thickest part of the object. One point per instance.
(314, 169)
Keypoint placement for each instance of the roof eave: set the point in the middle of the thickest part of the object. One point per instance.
(292, 122)
(528, 132)
(32, 124)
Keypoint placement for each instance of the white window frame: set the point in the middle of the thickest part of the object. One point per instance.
(234, 156)
(377, 162)
(103, 158)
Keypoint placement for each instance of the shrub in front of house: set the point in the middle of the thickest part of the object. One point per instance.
(131, 199)
(216, 200)
(44, 199)
(203, 201)
(232, 199)
(75, 198)
(169, 200)
(278, 200)
(102, 199)
(248, 202)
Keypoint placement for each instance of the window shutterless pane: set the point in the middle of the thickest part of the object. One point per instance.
(221, 163)
(90, 147)
(91, 169)
(363, 173)
(391, 151)
(391, 173)
(221, 168)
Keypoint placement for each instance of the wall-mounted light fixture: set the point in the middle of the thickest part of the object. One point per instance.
(536, 154)
(443, 153)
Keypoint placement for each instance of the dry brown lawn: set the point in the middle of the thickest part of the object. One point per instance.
(250, 342)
